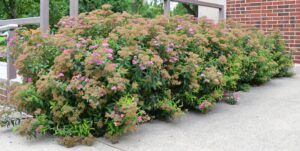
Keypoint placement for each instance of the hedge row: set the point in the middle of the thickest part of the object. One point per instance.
(103, 73)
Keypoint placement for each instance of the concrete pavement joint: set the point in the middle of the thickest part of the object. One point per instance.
(109, 145)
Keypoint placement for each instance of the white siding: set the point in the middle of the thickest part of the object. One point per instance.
(211, 13)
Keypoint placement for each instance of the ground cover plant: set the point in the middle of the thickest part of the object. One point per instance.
(104, 73)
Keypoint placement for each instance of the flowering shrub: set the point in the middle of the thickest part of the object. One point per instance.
(104, 73)
(231, 98)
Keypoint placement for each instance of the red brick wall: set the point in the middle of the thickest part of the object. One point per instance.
(283, 15)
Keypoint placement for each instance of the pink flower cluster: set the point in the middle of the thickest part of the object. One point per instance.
(82, 42)
(173, 59)
(67, 51)
(96, 60)
(11, 40)
(202, 105)
(179, 27)
(134, 60)
(61, 74)
(82, 78)
(29, 80)
(105, 44)
(170, 48)
(114, 88)
(109, 52)
(192, 31)
(140, 119)
(94, 46)
(237, 97)
(142, 67)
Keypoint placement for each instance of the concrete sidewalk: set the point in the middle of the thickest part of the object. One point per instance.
(266, 119)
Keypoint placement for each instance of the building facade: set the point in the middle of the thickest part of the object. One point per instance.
(268, 15)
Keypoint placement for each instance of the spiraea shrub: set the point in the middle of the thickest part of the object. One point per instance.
(104, 73)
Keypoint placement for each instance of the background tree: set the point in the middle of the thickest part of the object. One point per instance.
(191, 9)
(10, 9)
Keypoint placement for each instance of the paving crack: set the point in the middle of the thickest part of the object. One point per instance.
(112, 146)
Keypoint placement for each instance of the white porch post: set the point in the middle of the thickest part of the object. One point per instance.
(74, 7)
(44, 15)
(167, 7)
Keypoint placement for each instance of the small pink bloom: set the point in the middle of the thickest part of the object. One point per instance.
(67, 51)
(11, 40)
(99, 62)
(78, 76)
(169, 50)
(29, 80)
(109, 50)
(114, 88)
(114, 65)
(105, 44)
(134, 62)
(173, 59)
(61, 74)
(142, 67)
(140, 119)
(82, 78)
(110, 56)
(202, 75)
(191, 31)
(93, 46)
(45, 35)
(82, 40)
(202, 105)
(237, 97)
(90, 62)
(95, 54)
(226, 94)
(179, 27)
(39, 45)
(150, 62)
(78, 45)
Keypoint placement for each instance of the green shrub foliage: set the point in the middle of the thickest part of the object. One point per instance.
(104, 73)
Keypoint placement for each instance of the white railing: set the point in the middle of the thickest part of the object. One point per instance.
(9, 26)
(43, 19)
(10, 69)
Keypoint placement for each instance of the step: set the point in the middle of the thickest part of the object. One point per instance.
(3, 73)
(3, 81)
